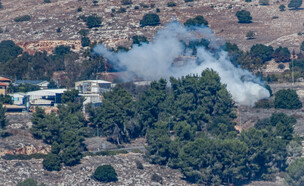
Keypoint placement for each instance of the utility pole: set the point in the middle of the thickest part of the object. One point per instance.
(292, 73)
(98, 138)
(240, 121)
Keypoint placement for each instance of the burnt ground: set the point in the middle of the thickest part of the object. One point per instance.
(270, 25)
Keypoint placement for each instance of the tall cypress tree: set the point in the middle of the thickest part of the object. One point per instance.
(3, 120)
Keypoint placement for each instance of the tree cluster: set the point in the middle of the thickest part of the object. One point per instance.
(65, 131)
(41, 66)
(287, 99)
(190, 126)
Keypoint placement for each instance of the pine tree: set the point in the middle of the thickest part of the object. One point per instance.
(3, 120)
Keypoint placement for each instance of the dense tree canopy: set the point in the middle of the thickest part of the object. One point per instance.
(8, 50)
(52, 162)
(65, 131)
(287, 99)
(262, 51)
(281, 54)
(115, 117)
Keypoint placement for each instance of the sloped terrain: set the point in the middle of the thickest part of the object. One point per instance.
(270, 25)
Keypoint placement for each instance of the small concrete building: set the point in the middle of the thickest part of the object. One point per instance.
(4, 83)
(18, 98)
(95, 99)
(92, 86)
(48, 94)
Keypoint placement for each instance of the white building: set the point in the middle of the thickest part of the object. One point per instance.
(91, 98)
(47, 94)
(92, 86)
(18, 98)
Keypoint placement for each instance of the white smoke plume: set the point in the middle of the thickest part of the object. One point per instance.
(152, 61)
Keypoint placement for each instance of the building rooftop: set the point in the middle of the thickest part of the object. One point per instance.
(32, 82)
(4, 79)
(94, 81)
(47, 92)
(4, 84)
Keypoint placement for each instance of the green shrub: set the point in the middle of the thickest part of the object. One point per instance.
(28, 182)
(139, 39)
(84, 32)
(52, 162)
(281, 66)
(295, 173)
(262, 51)
(79, 9)
(250, 35)
(264, 103)
(105, 173)
(243, 16)
(156, 178)
(295, 4)
(282, 8)
(23, 156)
(106, 153)
(171, 4)
(126, 2)
(85, 41)
(22, 18)
(197, 21)
(281, 54)
(150, 20)
(302, 46)
(287, 99)
(111, 153)
(95, 3)
(187, 1)
(264, 2)
(121, 10)
(139, 165)
(93, 21)
(47, 1)
(137, 151)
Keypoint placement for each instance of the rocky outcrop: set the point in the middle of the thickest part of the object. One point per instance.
(27, 150)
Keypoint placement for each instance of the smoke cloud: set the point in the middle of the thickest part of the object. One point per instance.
(158, 59)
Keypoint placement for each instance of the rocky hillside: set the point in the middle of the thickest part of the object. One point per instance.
(14, 171)
(270, 24)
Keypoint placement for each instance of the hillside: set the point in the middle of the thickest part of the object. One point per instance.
(270, 24)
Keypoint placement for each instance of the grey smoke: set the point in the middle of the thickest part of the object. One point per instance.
(154, 60)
